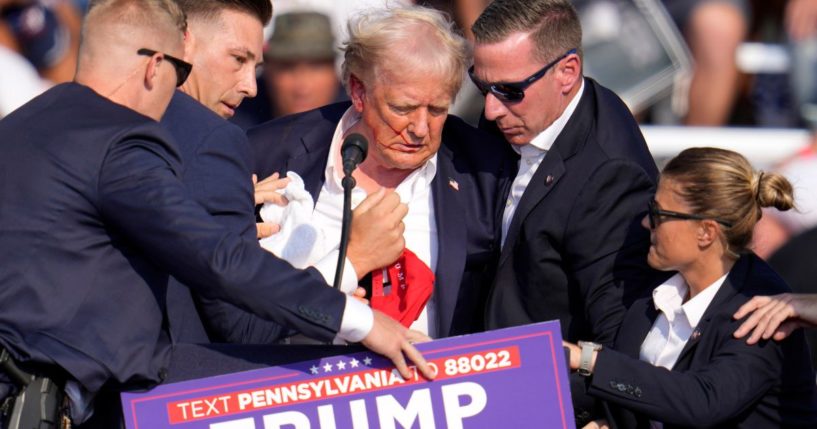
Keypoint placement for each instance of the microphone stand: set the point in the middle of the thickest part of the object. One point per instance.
(348, 183)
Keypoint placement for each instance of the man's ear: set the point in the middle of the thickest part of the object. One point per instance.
(357, 91)
(570, 71)
(152, 71)
(189, 45)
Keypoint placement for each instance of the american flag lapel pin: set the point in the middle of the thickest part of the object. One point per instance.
(453, 184)
(696, 334)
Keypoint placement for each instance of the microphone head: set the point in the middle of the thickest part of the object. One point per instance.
(354, 146)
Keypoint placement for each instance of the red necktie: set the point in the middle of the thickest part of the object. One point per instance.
(412, 283)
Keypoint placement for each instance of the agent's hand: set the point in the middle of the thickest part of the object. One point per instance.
(776, 316)
(597, 424)
(390, 339)
(575, 355)
(266, 229)
(266, 191)
(360, 295)
(376, 238)
(417, 337)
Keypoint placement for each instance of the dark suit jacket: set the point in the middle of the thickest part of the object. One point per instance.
(575, 243)
(718, 380)
(93, 217)
(216, 171)
(466, 218)
(575, 251)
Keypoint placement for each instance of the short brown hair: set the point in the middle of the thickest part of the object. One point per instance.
(719, 183)
(209, 9)
(553, 24)
(157, 20)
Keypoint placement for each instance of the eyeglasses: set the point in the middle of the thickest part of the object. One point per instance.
(514, 91)
(654, 214)
(182, 67)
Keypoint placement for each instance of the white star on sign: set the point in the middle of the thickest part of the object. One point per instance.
(341, 365)
(314, 370)
(354, 362)
(327, 367)
(367, 361)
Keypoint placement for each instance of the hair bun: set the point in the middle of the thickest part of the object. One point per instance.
(773, 190)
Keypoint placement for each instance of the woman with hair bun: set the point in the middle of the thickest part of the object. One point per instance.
(675, 362)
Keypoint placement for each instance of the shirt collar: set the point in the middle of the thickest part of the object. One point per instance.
(544, 140)
(419, 178)
(695, 307)
(669, 299)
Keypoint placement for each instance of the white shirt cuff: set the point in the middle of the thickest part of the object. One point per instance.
(327, 265)
(357, 321)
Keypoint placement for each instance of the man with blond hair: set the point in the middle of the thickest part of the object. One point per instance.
(94, 218)
(448, 173)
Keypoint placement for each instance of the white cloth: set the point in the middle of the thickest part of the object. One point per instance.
(415, 191)
(302, 244)
(299, 242)
(532, 155)
(676, 321)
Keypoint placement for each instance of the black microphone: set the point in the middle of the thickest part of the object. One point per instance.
(353, 151)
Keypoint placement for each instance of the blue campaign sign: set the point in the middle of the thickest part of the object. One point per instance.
(509, 378)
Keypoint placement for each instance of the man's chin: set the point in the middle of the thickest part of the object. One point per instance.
(517, 139)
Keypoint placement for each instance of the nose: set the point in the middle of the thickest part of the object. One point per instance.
(418, 127)
(247, 86)
(645, 222)
(494, 108)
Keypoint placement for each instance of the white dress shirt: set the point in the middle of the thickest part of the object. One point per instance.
(676, 321)
(415, 191)
(532, 155)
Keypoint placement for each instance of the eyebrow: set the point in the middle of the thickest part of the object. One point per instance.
(250, 55)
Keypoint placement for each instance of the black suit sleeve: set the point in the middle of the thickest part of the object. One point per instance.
(607, 246)
(737, 376)
(141, 198)
(221, 168)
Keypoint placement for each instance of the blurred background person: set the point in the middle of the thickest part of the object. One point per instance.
(46, 33)
(19, 81)
(675, 360)
(299, 70)
(713, 30)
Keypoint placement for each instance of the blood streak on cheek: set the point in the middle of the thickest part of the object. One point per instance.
(397, 133)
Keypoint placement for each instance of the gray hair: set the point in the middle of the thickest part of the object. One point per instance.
(554, 25)
(405, 38)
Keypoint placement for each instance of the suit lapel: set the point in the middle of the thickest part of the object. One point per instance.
(311, 163)
(552, 168)
(731, 286)
(646, 313)
(549, 173)
(451, 238)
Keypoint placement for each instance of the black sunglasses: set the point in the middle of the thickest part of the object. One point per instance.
(514, 91)
(182, 67)
(654, 214)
